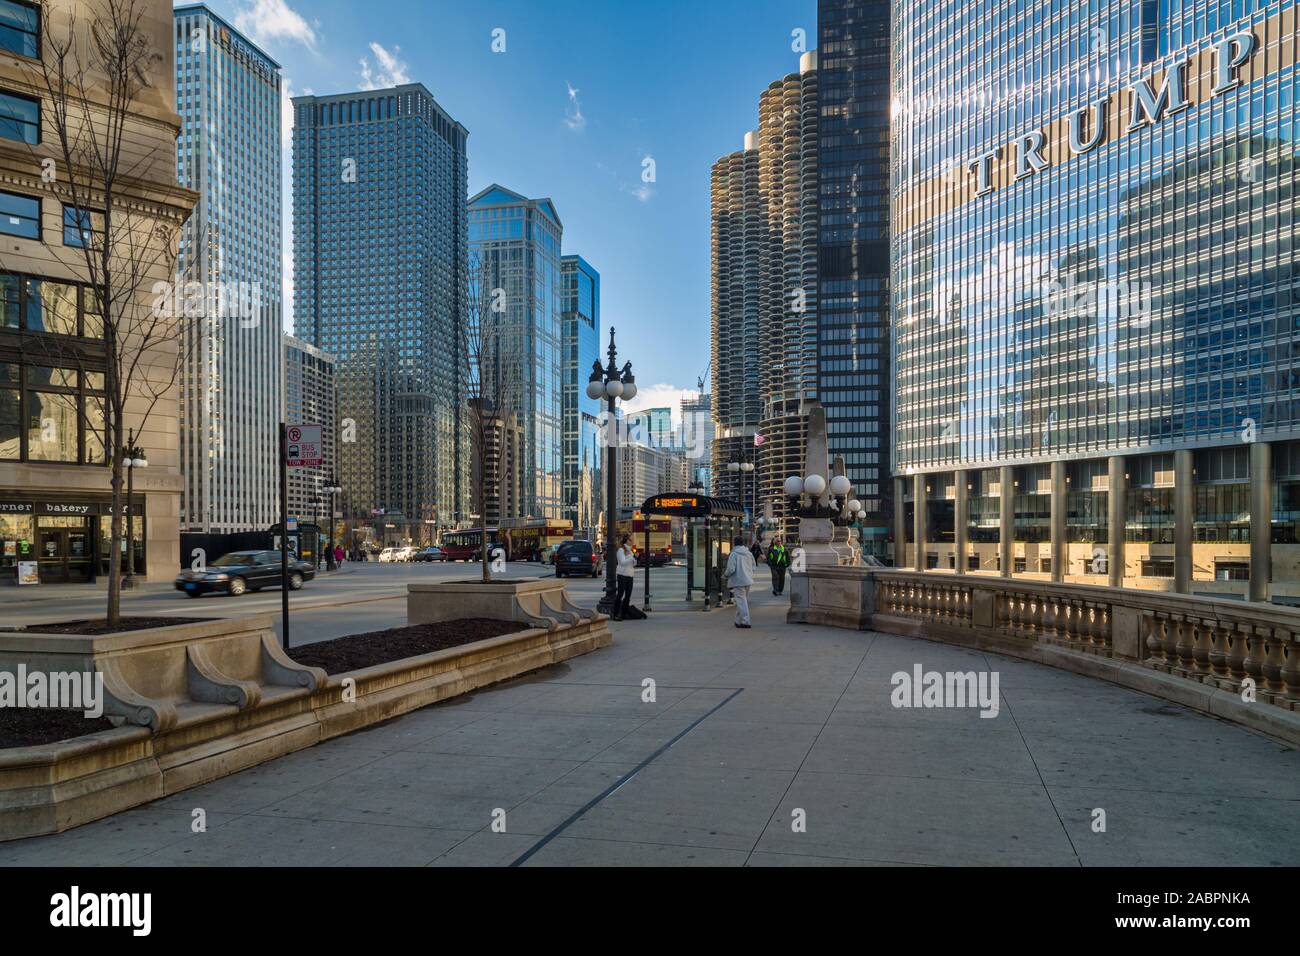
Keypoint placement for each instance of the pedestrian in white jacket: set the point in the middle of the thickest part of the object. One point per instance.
(623, 577)
(740, 578)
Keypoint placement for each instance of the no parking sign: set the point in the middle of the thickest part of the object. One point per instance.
(303, 446)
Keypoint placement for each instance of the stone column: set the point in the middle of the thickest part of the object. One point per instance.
(1184, 507)
(900, 523)
(1060, 547)
(1261, 520)
(1006, 516)
(961, 520)
(920, 529)
(1117, 508)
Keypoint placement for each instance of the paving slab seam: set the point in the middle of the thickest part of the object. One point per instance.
(1034, 760)
(618, 784)
(254, 812)
(825, 723)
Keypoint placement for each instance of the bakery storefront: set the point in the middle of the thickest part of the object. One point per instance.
(62, 539)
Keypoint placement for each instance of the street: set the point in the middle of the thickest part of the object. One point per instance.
(360, 597)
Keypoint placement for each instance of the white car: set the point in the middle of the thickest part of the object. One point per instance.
(405, 554)
(388, 554)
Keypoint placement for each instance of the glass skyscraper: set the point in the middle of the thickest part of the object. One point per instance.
(231, 380)
(1094, 319)
(583, 456)
(380, 282)
(853, 249)
(515, 247)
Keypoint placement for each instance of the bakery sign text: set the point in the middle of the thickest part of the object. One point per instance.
(1087, 124)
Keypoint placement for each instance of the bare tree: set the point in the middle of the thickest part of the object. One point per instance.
(97, 77)
(493, 353)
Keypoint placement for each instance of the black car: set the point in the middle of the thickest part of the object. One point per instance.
(576, 557)
(241, 571)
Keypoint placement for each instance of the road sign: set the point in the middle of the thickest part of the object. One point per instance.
(304, 447)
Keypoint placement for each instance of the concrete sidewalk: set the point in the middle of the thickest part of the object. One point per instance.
(773, 746)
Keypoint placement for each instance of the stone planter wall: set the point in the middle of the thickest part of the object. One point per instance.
(228, 699)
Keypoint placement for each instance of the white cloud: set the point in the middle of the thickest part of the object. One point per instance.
(265, 20)
(643, 192)
(573, 117)
(391, 69)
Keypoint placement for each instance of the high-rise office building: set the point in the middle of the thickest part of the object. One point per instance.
(738, 246)
(787, 176)
(515, 250)
(652, 426)
(765, 292)
(698, 432)
(581, 347)
(310, 397)
(1092, 266)
(380, 282)
(853, 379)
(231, 381)
(55, 492)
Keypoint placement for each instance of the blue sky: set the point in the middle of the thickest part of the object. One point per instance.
(673, 80)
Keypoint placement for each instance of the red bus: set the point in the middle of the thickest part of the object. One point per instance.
(661, 538)
(464, 545)
(524, 543)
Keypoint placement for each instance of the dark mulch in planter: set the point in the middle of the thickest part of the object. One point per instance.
(100, 625)
(23, 727)
(379, 647)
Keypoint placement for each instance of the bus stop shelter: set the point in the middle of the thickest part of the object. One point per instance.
(711, 523)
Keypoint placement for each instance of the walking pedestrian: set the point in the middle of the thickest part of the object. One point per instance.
(625, 577)
(778, 559)
(740, 578)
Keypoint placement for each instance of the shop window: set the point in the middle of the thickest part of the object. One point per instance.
(1158, 568)
(1231, 570)
(52, 426)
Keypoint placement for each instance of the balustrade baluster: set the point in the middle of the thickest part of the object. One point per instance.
(1201, 647)
(1254, 662)
(1236, 651)
(1155, 638)
(1183, 648)
(1273, 661)
(1291, 669)
(1172, 625)
(1218, 652)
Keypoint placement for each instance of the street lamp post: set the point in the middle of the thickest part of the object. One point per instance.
(331, 489)
(611, 384)
(748, 501)
(134, 459)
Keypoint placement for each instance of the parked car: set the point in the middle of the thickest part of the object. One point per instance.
(431, 553)
(388, 554)
(241, 571)
(577, 557)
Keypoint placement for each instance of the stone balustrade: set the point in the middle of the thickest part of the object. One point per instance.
(1235, 646)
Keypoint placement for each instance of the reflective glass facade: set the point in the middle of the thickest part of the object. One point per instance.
(853, 248)
(231, 379)
(1092, 266)
(582, 455)
(380, 282)
(1059, 299)
(517, 242)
